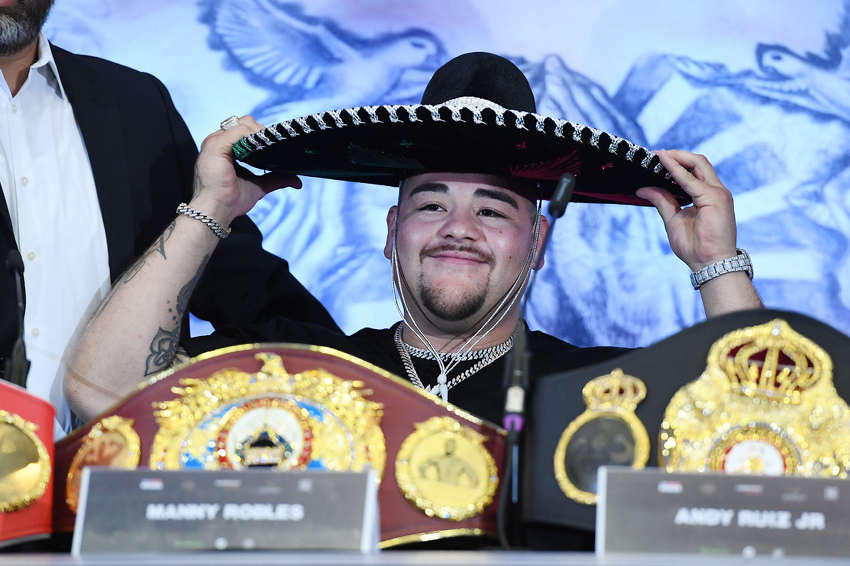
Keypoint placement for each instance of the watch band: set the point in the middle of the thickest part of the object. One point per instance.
(740, 262)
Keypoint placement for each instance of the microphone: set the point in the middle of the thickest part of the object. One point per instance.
(17, 366)
(517, 377)
(517, 371)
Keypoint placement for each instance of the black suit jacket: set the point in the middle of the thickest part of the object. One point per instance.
(142, 157)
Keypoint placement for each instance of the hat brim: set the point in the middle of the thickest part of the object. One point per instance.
(384, 144)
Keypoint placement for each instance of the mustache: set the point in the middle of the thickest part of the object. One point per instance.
(446, 247)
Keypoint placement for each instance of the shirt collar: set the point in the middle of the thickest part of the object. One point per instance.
(45, 59)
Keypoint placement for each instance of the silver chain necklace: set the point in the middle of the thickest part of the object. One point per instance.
(485, 357)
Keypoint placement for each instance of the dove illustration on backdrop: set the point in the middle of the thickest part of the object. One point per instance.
(314, 63)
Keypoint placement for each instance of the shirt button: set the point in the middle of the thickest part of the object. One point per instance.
(14, 108)
(25, 181)
(31, 256)
(35, 332)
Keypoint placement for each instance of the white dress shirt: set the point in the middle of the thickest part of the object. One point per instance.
(50, 192)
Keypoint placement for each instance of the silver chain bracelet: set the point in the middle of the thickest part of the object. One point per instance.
(186, 210)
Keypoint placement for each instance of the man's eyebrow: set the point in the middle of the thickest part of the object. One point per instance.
(497, 195)
(429, 187)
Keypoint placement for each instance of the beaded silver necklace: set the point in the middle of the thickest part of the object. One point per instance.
(485, 357)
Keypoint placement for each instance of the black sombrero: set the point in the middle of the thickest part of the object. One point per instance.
(477, 115)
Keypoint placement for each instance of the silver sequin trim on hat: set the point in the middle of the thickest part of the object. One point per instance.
(411, 112)
(540, 125)
(302, 121)
(262, 136)
(391, 110)
(435, 113)
(337, 118)
(254, 142)
(274, 131)
(355, 117)
(630, 154)
(288, 127)
(615, 145)
(594, 137)
(320, 121)
(473, 103)
(577, 131)
(647, 159)
(372, 111)
(520, 120)
(559, 128)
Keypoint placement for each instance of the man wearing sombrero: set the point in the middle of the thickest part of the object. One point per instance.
(472, 161)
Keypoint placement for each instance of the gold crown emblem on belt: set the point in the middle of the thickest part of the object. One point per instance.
(771, 361)
(613, 390)
(765, 404)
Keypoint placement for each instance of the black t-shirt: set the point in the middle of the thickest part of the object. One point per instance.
(481, 394)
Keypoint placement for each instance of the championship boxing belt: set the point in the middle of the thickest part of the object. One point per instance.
(292, 407)
(26, 474)
(747, 391)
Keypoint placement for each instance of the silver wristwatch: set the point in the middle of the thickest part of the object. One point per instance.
(740, 262)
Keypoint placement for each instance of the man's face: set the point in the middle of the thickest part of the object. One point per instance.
(463, 240)
(20, 23)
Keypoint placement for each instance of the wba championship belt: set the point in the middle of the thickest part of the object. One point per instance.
(765, 404)
(770, 401)
(292, 407)
(26, 472)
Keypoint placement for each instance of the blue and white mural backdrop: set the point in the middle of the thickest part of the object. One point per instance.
(762, 88)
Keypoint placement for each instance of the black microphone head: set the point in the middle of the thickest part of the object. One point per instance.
(14, 262)
(562, 195)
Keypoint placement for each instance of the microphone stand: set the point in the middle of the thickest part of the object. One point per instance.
(516, 380)
(17, 367)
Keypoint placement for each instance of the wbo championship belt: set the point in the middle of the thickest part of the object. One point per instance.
(290, 407)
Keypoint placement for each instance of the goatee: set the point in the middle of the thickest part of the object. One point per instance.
(440, 306)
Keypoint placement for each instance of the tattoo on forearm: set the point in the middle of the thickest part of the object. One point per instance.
(165, 343)
(157, 247)
(186, 291)
(163, 347)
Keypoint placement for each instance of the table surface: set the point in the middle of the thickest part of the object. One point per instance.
(407, 558)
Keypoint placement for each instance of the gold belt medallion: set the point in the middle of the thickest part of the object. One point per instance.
(607, 433)
(111, 442)
(24, 463)
(765, 404)
(445, 470)
(272, 419)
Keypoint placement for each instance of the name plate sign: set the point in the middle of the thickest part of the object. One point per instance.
(166, 511)
(654, 511)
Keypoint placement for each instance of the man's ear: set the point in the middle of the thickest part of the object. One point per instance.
(391, 225)
(539, 260)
